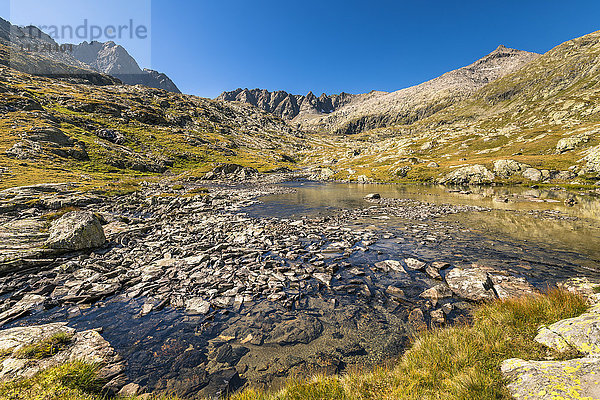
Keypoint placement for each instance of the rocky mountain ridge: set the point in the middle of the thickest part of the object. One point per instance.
(289, 106)
(105, 58)
(358, 113)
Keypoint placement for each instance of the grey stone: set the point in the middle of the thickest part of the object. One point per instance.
(76, 230)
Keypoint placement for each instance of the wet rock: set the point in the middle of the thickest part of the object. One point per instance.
(581, 333)
(302, 329)
(437, 292)
(433, 273)
(76, 230)
(197, 306)
(416, 319)
(550, 380)
(390, 265)
(471, 284)
(372, 196)
(130, 390)
(469, 175)
(414, 264)
(27, 304)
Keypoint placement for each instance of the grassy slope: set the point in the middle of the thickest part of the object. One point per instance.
(460, 362)
(521, 116)
(189, 132)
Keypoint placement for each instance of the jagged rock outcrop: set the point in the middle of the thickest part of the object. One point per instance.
(112, 59)
(288, 106)
(346, 114)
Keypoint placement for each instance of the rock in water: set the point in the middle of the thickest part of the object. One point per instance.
(471, 284)
(76, 230)
(372, 196)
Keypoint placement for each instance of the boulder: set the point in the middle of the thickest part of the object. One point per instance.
(581, 333)
(533, 174)
(571, 143)
(437, 292)
(508, 168)
(372, 196)
(468, 175)
(76, 230)
(583, 286)
(480, 283)
(550, 380)
(414, 264)
(471, 284)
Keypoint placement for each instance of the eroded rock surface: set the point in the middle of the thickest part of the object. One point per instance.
(88, 346)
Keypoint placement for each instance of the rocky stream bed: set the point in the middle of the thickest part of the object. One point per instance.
(190, 290)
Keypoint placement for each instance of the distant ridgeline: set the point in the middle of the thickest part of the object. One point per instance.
(28, 49)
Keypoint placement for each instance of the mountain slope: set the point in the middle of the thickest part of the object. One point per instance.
(545, 116)
(104, 58)
(347, 114)
(412, 104)
(53, 130)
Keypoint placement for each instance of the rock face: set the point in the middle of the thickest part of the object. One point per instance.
(76, 230)
(85, 59)
(347, 114)
(112, 59)
(572, 379)
(288, 106)
(233, 172)
(88, 346)
(469, 175)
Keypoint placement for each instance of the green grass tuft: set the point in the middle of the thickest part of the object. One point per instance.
(45, 348)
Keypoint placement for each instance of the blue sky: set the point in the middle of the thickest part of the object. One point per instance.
(331, 46)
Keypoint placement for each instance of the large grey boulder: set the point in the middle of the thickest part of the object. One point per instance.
(471, 284)
(508, 168)
(76, 230)
(468, 175)
(533, 174)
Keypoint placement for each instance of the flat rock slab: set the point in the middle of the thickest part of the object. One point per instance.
(86, 346)
(482, 283)
(582, 333)
(552, 380)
